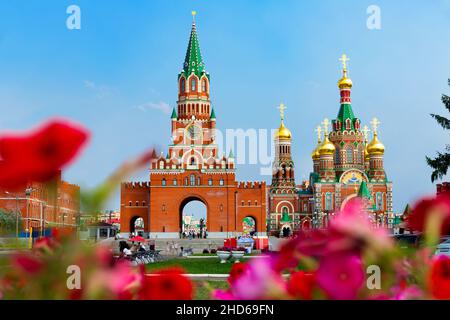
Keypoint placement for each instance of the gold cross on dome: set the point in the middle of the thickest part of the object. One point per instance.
(366, 131)
(344, 59)
(319, 133)
(282, 107)
(326, 124)
(375, 124)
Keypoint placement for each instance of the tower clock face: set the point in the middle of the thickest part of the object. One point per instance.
(194, 132)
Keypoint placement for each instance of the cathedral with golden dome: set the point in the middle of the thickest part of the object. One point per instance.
(345, 165)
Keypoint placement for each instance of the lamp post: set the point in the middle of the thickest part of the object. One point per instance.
(28, 192)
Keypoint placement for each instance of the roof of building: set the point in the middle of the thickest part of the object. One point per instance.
(193, 62)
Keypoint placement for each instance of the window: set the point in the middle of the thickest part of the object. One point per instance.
(137, 203)
(185, 181)
(163, 207)
(379, 199)
(243, 203)
(130, 203)
(192, 161)
(349, 151)
(193, 85)
(199, 182)
(328, 201)
(192, 180)
(143, 203)
(348, 124)
(210, 182)
(183, 85)
(249, 203)
(175, 182)
(338, 156)
(204, 85)
(161, 164)
(221, 182)
(256, 203)
(163, 182)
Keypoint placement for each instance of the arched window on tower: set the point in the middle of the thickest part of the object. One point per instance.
(328, 201)
(338, 155)
(193, 84)
(203, 85)
(182, 85)
(348, 124)
(349, 152)
(192, 180)
(283, 168)
(379, 201)
(163, 182)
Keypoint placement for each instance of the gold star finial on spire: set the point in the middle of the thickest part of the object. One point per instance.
(282, 107)
(366, 131)
(375, 124)
(319, 133)
(326, 124)
(344, 59)
(194, 13)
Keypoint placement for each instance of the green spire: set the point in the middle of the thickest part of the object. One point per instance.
(364, 191)
(193, 61)
(174, 114)
(213, 114)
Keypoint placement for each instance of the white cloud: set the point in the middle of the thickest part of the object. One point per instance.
(160, 106)
(101, 91)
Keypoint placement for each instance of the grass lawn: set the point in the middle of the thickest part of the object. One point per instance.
(194, 266)
(203, 288)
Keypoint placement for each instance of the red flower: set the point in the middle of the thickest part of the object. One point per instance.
(39, 155)
(237, 270)
(27, 263)
(439, 278)
(301, 285)
(427, 208)
(167, 284)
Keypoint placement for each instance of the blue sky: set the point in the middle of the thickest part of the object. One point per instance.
(111, 74)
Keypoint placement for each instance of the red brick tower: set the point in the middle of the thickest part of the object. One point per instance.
(283, 196)
(193, 170)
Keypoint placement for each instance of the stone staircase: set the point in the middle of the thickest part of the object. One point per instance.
(167, 245)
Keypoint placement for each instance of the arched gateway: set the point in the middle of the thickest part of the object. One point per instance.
(193, 168)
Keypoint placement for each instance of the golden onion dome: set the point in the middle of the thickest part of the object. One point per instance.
(375, 146)
(366, 154)
(283, 132)
(345, 83)
(327, 147)
(315, 155)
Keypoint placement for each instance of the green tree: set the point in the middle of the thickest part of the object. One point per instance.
(8, 221)
(441, 163)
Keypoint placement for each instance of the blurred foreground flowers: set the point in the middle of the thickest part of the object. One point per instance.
(340, 262)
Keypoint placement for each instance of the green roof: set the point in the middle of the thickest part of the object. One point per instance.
(346, 112)
(193, 61)
(364, 191)
(174, 114)
(213, 114)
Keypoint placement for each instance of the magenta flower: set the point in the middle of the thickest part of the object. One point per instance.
(222, 295)
(260, 282)
(341, 276)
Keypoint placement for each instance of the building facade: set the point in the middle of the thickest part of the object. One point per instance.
(193, 169)
(44, 205)
(345, 165)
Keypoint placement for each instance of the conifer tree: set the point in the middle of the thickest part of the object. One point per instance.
(441, 163)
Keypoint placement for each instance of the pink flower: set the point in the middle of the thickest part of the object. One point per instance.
(351, 229)
(223, 295)
(261, 281)
(341, 276)
(407, 293)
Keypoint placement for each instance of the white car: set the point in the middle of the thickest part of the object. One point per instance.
(443, 248)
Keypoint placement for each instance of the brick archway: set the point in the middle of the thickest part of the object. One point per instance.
(132, 225)
(188, 199)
